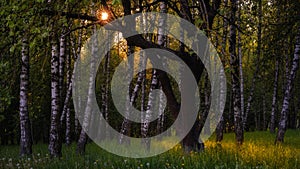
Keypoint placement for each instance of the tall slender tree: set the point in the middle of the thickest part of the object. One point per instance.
(235, 79)
(55, 140)
(130, 99)
(67, 99)
(76, 54)
(240, 55)
(288, 89)
(274, 99)
(66, 104)
(220, 126)
(89, 102)
(105, 100)
(25, 140)
(148, 114)
(161, 40)
(257, 68)
(62, 55)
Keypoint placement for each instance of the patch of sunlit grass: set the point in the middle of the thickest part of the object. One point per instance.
(258, 151)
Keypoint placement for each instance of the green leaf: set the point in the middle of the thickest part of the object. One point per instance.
(12, 48)
(198, 22)
(11, 33)
(116, 2)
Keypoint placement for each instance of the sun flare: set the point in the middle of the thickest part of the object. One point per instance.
(104, 16)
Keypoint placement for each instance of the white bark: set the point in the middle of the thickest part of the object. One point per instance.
(287, 95)
(88, 107)
(55, 140)
(161, 40)
(62, 55)
(25, 132)
(148, 114)
(240, 54)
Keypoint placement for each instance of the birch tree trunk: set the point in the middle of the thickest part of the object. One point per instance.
(25, 139)
(161, 40)
(161, 118)
(88, 109)
(66, 105)
(154, 84)
(126, 124)
(220, 126)
(235, 79)
(274, 100)
(276, 76)
(106, 93)
(250, 97)
(241, 68)
(206, 105)
(151, 101)
(62, 55)
(287, 95)
(55, 140)
(264, 127)
(161, 25)
(287, 71)
(76, 53)
(89, 102)
(62, 52)
(143, 93)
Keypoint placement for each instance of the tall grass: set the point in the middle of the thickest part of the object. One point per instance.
(258, 151)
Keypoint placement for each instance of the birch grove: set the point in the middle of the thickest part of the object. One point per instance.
(44, 42)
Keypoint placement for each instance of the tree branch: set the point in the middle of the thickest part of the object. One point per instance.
(70, 15)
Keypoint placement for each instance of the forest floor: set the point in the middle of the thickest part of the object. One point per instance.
(258, 151)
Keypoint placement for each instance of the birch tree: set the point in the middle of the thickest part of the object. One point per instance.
(241, 63)
(66, 107)
(88, 106)
(105, 90)
(161, 40)
(154, 82)
(55, 140)
(62, 53)
(282, 126)
(220, 126)
(148, 113)
(76, 53)
(66, 104)
(274, 98)
(25, 139)
(235, 79)
(257, 68)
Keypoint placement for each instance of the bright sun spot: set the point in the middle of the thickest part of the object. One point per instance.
(104, 16)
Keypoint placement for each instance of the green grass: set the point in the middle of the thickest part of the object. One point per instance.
(258, 151)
